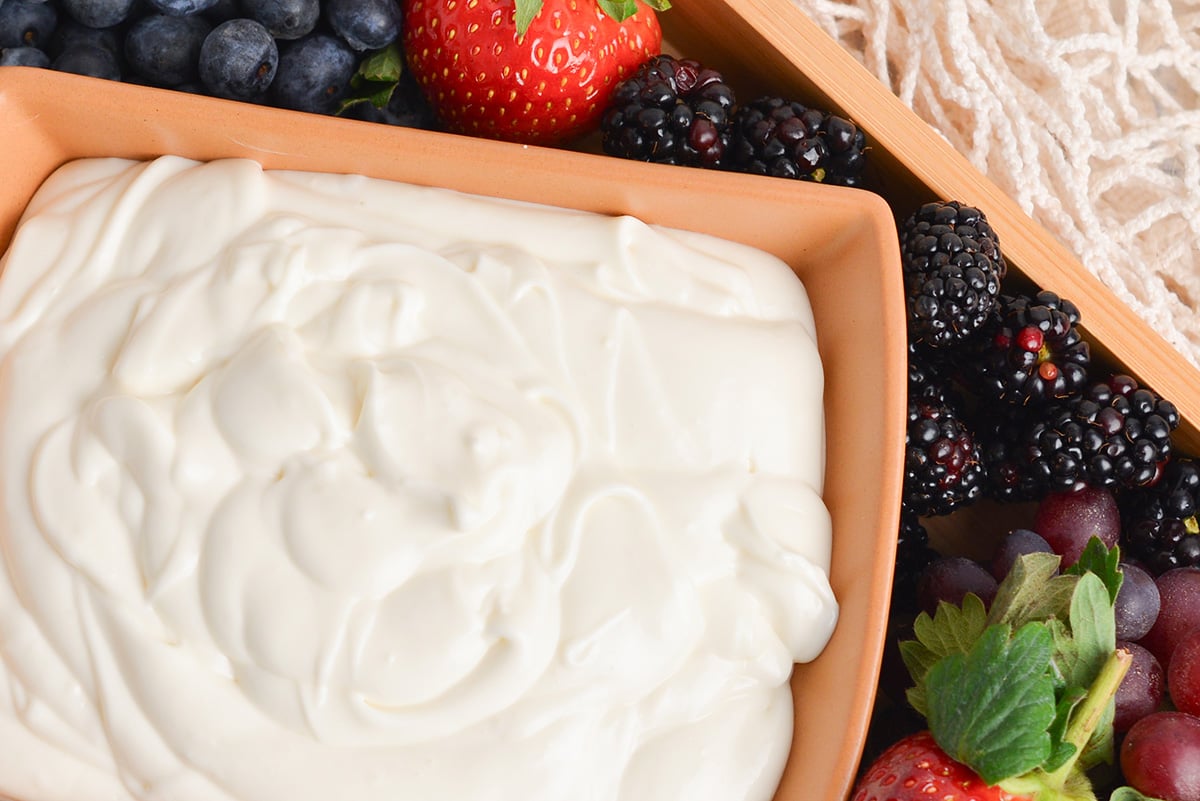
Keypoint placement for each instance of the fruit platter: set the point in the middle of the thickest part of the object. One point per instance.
(1019, 571)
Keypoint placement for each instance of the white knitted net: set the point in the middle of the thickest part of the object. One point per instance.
(1087, 112)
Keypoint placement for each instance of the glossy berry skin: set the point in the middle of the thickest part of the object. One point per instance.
(916, 769)
(547, 86)
(238, 60)
(1160, 756)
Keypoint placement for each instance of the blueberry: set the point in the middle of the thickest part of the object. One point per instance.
(98, 13)
(71, 33)
(238, 60)
(25, 23)
(165, 50)
(285, 19)
(181, 8)
(223, 11)
(364, 24)
(23, 57)
(90, 60)
(314, 74)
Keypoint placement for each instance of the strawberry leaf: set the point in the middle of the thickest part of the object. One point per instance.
(990, 708)
(1129, 794)
(951, 630)
(1032, 590)
(620, 10)
(1104, 562)
(526, 11)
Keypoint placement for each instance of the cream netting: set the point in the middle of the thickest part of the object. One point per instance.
(1087, 112)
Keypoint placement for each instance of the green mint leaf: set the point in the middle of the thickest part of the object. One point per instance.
(1104, 562)
(526, 11)
(376, 79)
(1032, 590)
(620, 10)
(386, 65)
(990, 708)
(951, 630)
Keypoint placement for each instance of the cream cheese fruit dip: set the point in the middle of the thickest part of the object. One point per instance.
(323, 487)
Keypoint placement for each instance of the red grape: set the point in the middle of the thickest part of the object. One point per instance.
(1160, 756)
(1068, 520)
(1183, 673)
(950, 578)
(1137, 604)
(1016, 543)
(1141, 690)
(1179, 611)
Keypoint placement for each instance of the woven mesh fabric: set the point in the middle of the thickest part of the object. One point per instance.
(1087, 112)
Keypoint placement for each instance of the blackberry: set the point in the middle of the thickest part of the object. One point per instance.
(927, 372)
(1000, 432)
(1031, 351)
(942, 468)
(783, 138)
(913, 555)
(1115, 435)
(952, 272)
(1160, 528)
(671, 111)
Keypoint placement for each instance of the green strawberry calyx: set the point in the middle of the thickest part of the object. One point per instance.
(376, 78)
(620, 10)
(1022, 692)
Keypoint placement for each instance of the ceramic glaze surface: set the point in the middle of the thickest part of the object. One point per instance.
(322, 486)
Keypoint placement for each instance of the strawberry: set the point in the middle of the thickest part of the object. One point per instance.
(916, 769)
(1017, 695)
(524, 71)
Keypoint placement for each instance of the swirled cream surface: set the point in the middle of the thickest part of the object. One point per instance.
(326, 487)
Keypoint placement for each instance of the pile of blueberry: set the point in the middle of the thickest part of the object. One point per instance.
(306, 55)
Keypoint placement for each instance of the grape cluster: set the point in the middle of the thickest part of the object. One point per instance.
(304, 55)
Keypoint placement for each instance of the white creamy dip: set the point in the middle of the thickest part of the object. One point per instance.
(323, 487)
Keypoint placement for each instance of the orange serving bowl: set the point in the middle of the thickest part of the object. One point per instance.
(840, 242)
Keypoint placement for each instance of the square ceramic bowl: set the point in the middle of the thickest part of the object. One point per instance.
(840, 242)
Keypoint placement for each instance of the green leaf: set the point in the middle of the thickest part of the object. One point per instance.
(376, 79)
(1032, 590)
(990, 708)
(1129, 794)
(526, 11)
(951, 630)
(1104, 562)
(1093, 628)
(620, 10)
(658, 5)
(383, 65)
(1062, 751)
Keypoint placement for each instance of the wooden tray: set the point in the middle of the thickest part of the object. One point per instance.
(771, 46)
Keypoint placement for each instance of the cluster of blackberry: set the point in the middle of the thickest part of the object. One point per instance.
(677, 111)
(1005, 403)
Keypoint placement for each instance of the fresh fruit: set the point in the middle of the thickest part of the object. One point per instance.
(364, 24)
(165, 50)
(487, 74)
(1116, 434)
(238, 60)
(942, 469)
(1179, 610)
(1160, 524)
(786, 139)
(1138, 603)
(26, 23)
(1160, 756)
(952, 267)
(670, 111)
(916, 769)
(1141, 690)
(1016, 695)
(1014, 544)
(314, 74)
(1183, 672)
(287, 19)
(1068, 520)
(1031, 351)
(948, 579)
(913, 555)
